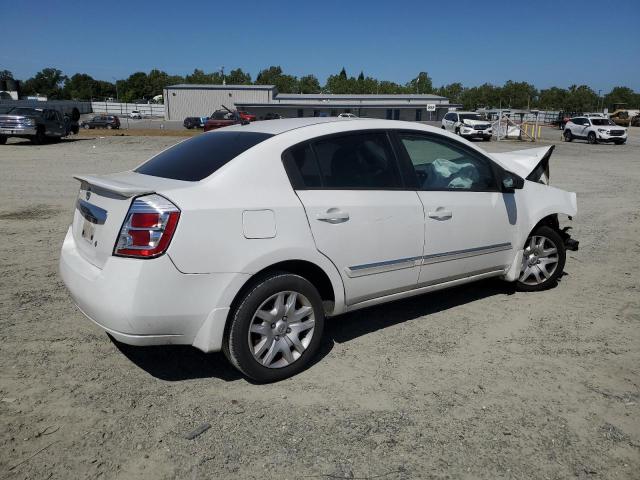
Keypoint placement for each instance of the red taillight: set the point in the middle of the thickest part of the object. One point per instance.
(148, 227)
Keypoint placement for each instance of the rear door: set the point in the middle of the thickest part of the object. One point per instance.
(362, 216)
(469, 224)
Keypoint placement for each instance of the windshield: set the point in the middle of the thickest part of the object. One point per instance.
(24, 111)
(601, 121)
(470, 116)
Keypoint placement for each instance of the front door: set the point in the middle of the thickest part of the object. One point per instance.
(361, 216)
(469, 224)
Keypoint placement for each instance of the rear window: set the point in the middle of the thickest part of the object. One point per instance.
(199, 157)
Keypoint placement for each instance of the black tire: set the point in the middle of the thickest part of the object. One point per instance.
(457, 131)
(554, 237)
(486, 139)
(39, 138)
(3, 139)
(620, 142)
(443, 127)
(568, 136)
(236, 341)
(591, 138)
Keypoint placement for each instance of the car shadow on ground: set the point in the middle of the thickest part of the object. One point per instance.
(182, 362)
(26, 142)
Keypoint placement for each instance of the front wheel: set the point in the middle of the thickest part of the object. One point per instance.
(568, 136)
(591, 138)
(542, 260)
(3, 139)
(276, 329)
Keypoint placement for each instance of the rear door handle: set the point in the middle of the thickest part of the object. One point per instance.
(333, 216)
(441, 214)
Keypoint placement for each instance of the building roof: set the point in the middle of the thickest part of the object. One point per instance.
(359, 97)
(207, 86)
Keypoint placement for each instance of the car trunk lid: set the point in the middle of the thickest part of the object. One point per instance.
(102, 205)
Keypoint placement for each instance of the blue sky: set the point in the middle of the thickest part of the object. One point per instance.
(544, 42)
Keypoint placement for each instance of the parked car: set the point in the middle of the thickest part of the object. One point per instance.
(194, 122)
(249, 117)
(245, 239)
(594, 130)
(102, 121)
(594, 115)
(135, 114)
(37, 124)
(468, 125)
(223, 118)
(272, 116)
(347, 115)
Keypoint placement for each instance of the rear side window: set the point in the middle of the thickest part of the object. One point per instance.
(302, 168)
(199, 157)
(358, 161)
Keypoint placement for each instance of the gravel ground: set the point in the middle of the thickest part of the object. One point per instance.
(475, 382)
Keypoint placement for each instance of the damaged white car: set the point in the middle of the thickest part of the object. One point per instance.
(244, 239)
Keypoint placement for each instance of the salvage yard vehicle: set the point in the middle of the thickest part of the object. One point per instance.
(194, 122)
(37, 124)
(244, 239)
(102, 121)
(135, 114)
(468, 125)
(223, 118)
(594, 130)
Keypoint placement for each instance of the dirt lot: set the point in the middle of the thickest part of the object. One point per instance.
(476, 382)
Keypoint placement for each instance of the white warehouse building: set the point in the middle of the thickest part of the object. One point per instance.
(190, 100)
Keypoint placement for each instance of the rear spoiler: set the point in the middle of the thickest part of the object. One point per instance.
(107, 184)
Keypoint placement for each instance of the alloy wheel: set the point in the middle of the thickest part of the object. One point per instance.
(539, 261)
(281, 329)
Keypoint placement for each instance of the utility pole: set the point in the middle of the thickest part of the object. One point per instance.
(222, 73)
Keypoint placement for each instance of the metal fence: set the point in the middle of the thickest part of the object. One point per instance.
(64, 106)
(115, 108)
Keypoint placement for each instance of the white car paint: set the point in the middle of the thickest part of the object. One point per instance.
(602, 129)
(373, 245)
(474, 127)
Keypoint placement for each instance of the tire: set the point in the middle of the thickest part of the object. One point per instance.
(39, 138)
(252, 352)
(539, 257)
(620, 142)
(3, 140)
(443, 127)
(568, 136)
(486, 139)
(458, 131)
(591, 138)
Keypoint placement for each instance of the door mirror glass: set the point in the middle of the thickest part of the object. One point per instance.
(511, 182)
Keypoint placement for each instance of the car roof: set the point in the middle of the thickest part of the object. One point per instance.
(276, 127)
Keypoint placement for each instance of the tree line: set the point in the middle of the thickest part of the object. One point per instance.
(142, 86)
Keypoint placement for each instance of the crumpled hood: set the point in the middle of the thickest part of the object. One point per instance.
(476, 122)
(531, 163)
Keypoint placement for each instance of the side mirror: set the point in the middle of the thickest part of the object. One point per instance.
(510, 182)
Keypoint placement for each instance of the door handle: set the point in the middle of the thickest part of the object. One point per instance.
(333, 216)
(441, 214)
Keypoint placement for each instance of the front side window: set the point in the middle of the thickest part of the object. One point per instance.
(440, 164)
(357, 161)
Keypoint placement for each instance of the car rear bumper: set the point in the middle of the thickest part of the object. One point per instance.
(149, 302)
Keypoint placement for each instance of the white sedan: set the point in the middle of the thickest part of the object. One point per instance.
(244, 239)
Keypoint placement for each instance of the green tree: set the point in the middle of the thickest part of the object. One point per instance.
(47, 82)
(309, 84)
(518, 94)
(453, 92)
(622, 95)
(421, 84)
(198, 76)
(553, 98)
(84, 87)
(238, 77)
(6, 75)
(581, 99)
(274, 76)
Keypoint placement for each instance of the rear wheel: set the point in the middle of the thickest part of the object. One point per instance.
(276, 329)
(568, 136)
(3, 139)
(542, 261)
(591, 138)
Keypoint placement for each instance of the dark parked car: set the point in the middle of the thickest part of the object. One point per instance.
(102, 121)
(272, 116)
(194, 122)
(39, 125)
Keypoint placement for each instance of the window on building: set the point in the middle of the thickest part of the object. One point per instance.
(396, 114)
(418, 114)
(300, 113)
(389, 114)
